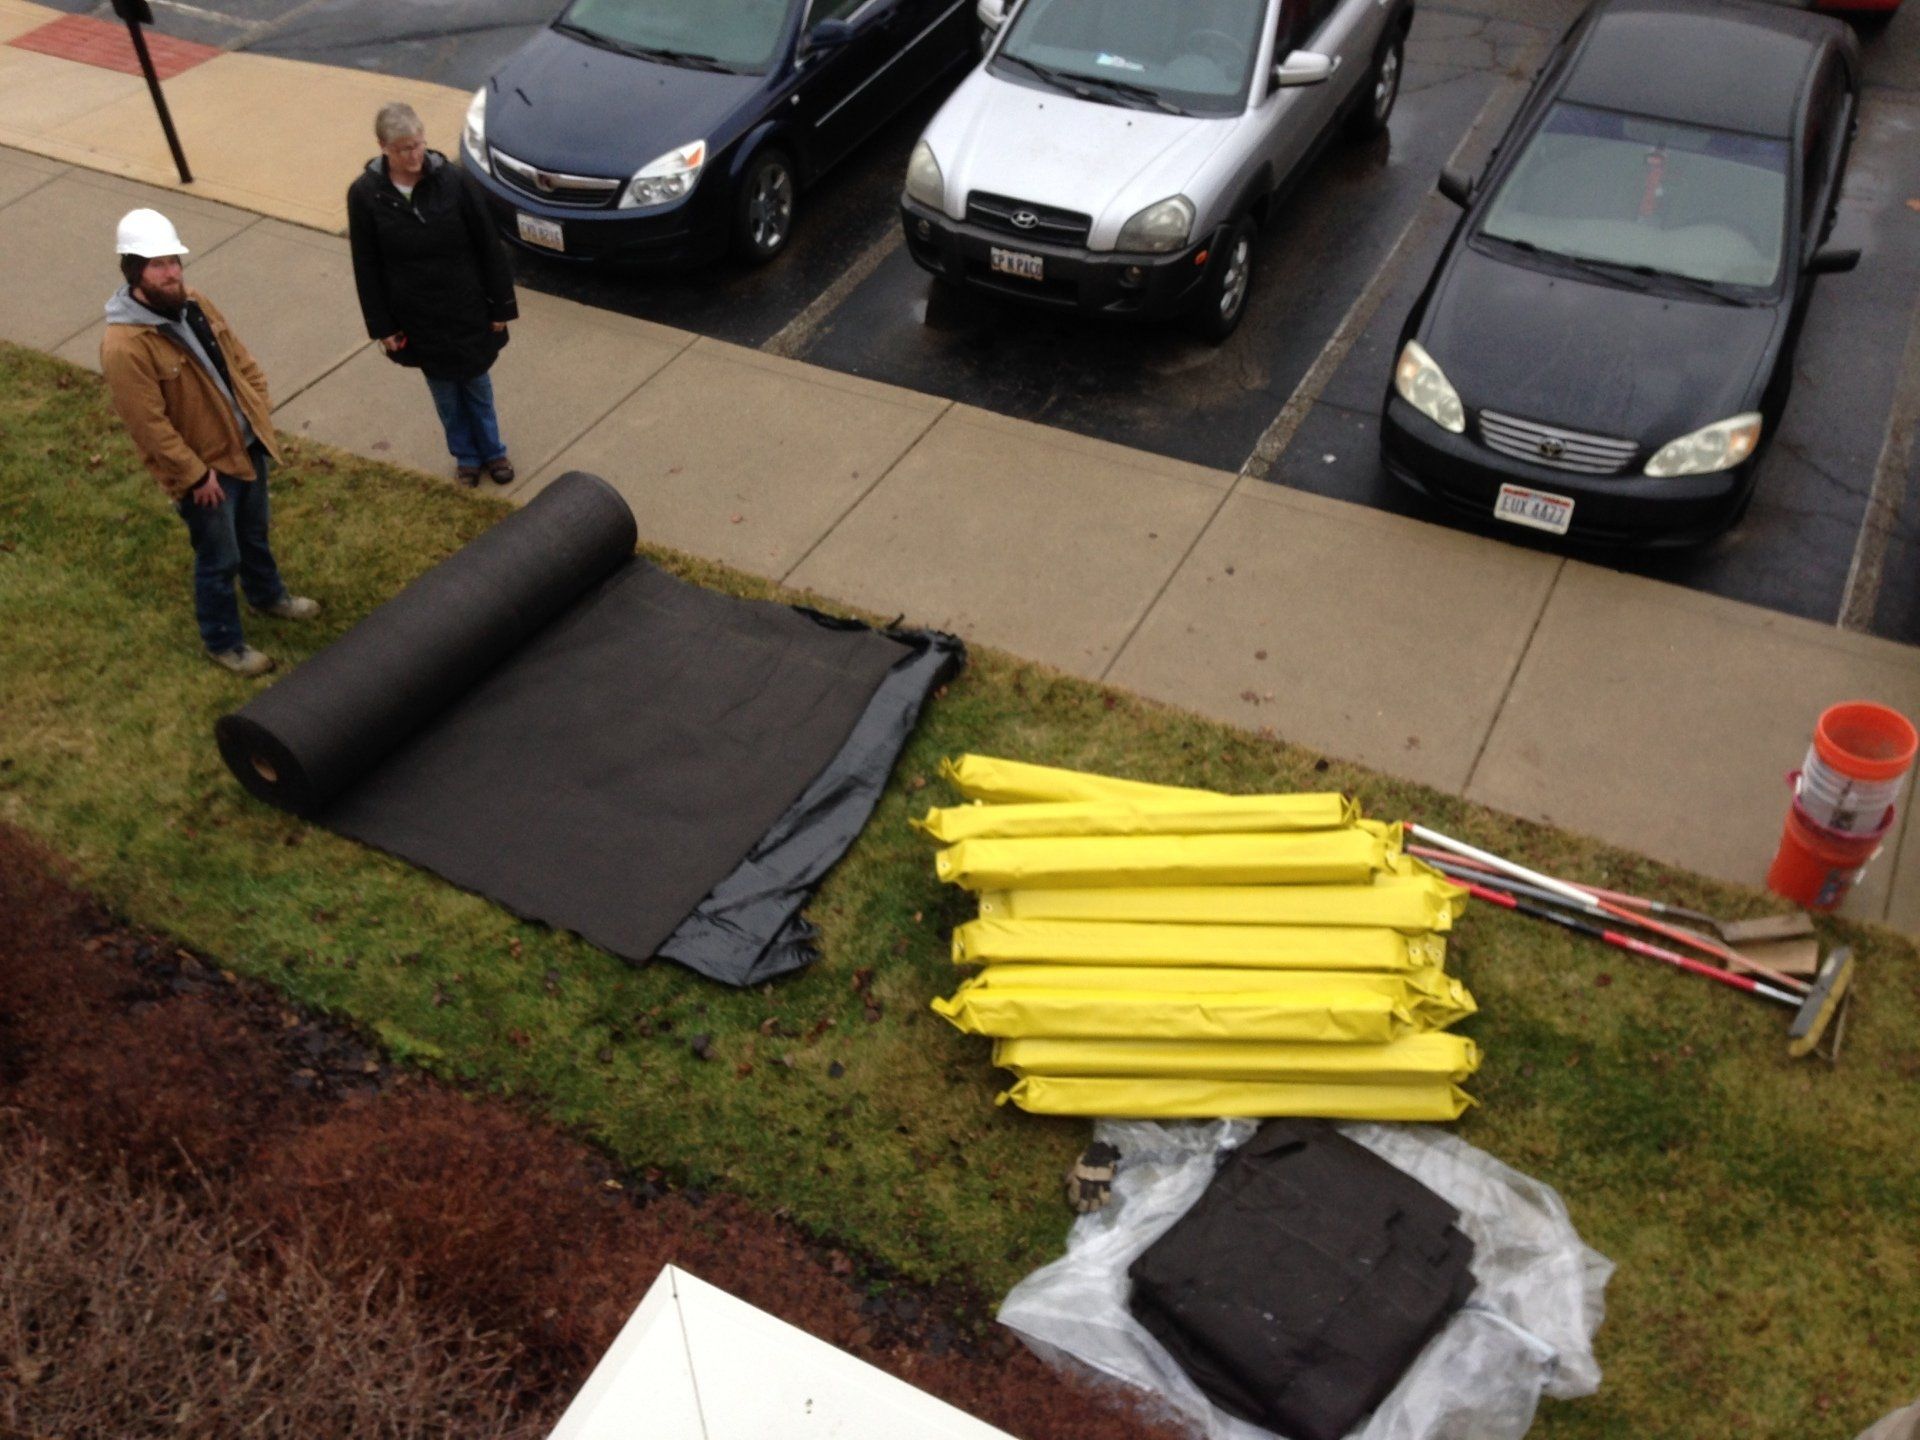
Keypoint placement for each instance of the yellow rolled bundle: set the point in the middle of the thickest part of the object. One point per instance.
(1161, 952)
(1254, 947)
(1165, 1099)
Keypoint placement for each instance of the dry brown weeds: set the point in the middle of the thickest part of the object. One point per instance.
(130, 1311)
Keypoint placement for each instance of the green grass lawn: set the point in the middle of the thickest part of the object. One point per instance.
(1765, 1214)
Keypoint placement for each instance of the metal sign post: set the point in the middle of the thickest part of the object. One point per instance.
(137, 13)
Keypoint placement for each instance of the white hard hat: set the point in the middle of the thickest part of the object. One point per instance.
(148, 233)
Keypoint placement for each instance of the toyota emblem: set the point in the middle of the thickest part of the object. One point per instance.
(1552, 449)
(1025, 219)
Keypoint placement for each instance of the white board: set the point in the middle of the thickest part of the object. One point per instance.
(694, 1363)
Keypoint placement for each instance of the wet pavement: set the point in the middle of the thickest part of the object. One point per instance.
(1835, 526)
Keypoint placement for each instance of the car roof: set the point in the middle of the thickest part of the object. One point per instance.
(1725, 64)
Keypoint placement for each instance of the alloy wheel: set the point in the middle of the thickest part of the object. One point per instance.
(1386, 86)
(1233, 284)
(770, 208)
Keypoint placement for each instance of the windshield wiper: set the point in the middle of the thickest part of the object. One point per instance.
(592, 37)
(693, 61)
(1710, 288)
(644, 52)
(1058, 79)
(1617, 270)
(1128, 88)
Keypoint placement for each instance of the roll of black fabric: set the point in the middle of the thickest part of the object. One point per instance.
(308, 738)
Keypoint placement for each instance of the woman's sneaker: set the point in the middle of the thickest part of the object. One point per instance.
(246, 662)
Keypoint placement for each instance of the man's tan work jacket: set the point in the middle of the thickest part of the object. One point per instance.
(174, 410)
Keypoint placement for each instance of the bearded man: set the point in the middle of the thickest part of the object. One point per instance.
(194, 402)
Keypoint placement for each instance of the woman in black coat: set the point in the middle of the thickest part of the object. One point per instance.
(434, 283)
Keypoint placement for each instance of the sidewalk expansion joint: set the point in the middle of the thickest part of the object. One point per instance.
(1513, 678)
(860, 499)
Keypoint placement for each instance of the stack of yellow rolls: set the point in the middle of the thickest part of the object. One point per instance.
(1159, 952)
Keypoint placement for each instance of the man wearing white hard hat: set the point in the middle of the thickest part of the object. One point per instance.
(195, 405)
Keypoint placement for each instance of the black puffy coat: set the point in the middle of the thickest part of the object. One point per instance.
(433, 269)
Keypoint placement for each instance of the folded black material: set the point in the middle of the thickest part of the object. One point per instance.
(1304, 1282)
(564, 728)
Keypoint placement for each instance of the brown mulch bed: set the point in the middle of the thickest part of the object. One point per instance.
(197, 1176)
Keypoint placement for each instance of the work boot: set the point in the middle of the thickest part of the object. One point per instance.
(292, 607)
(246, 662)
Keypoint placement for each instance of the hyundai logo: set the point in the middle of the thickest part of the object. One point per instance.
(1552, 449)
(1025, 219)
(545, 182)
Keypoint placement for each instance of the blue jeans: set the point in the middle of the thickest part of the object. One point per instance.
(467, 415)
(230, 539)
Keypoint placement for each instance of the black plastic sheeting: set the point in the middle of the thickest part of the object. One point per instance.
(1304, 1282)
(564, 728)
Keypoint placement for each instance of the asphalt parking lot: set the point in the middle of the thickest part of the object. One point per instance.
(1293, 398)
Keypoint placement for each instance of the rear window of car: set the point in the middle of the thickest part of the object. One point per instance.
(740, 34)
(1634, 191)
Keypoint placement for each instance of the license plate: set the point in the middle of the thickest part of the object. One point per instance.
(545, 233)
(1012, 262)
(1536, 509)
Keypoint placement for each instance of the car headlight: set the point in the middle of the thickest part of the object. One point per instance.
(925, 183)
(1424, 386)
(667, 179)
(1704, 452)
(476, 131)
(1158, 228)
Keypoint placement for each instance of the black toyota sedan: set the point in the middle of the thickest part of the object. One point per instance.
(1606, 346)
(660, 131)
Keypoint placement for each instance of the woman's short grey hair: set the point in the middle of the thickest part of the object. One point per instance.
(396, 121)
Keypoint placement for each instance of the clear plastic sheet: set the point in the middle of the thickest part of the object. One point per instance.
(1527, 1331)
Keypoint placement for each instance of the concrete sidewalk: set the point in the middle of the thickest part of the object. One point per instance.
(1652, 717)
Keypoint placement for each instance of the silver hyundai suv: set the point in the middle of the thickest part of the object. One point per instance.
(1117, 156)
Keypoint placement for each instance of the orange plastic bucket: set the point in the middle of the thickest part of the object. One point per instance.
(1865, 741)
(1817, 866)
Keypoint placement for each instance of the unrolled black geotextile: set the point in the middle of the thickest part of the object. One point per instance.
(555, 724)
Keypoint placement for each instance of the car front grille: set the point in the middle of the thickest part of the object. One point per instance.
(586, 191)
(1556, 448)
(1027, 221)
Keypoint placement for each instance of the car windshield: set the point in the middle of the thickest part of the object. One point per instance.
(739, 34)
(1708, 205)
(1197, 55)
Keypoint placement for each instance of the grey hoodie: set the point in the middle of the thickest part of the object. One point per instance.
(123, 309)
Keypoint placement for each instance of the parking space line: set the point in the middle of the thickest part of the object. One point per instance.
(797, 334)
(1274, 440)
(1432, 211)
(1861, 598)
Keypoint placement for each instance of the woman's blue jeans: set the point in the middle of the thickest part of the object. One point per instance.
(467, 415)
(229, 540)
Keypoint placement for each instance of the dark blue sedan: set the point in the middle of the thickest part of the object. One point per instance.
(662, 131)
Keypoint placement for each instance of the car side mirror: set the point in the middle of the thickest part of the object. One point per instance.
(828, 35)
(1832, 260)
(992, 14)
(1303, 67)
(1457, 186)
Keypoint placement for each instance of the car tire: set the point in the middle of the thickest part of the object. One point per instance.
(763, 207)
(1223, 294)
(1381, 91)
